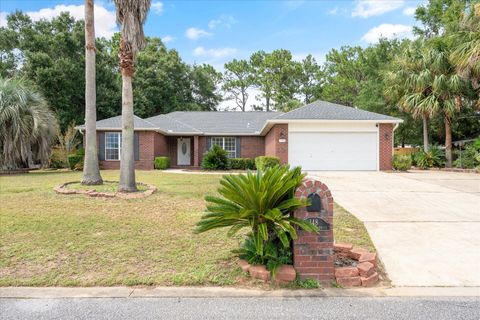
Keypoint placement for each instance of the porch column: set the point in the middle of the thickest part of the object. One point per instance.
(196, 154)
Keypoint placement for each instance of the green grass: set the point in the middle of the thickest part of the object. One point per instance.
(47, 239)
(105, 187)
(348, 229)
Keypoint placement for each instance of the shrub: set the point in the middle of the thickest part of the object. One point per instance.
(57, 159)
(264, 162)
(470, 157)
(73, 159)
(242, 164)
(215, 159)
(161, 163)
(262, 202)
(80, 152)
(434, 157)
(402, 162)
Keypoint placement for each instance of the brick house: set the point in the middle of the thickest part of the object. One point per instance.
(318, 136)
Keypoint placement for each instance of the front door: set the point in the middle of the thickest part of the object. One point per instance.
(183, 151)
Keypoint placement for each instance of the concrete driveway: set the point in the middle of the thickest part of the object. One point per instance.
(424, 224)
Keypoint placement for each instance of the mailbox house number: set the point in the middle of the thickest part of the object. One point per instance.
(319, 222)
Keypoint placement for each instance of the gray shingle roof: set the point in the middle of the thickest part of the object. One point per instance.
(222, 122)
(116, 122)
(165, 123)
(238, 123)
(323, 110)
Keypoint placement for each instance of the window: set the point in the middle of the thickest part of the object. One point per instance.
(226, 143)
(113, 143)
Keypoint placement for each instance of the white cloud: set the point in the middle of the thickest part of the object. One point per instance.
(214, 53)
(409, 11)
(195, 33)
(3, 19)
(389, 31)
(157, 7)
(167, 39)
(369, 8)
(105, 25)
(333, 11)
(222, 21)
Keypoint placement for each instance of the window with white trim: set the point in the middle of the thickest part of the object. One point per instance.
(113, 144)
(226, 143)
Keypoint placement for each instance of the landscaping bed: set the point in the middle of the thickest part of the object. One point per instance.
(106, 190)
(52, 240)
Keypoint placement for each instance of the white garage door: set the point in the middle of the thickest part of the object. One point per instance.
(333, 150)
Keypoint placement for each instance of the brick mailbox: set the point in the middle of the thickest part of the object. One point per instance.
(313, 252)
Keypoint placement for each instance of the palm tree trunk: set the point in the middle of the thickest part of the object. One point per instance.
(127, 159)
(448, 141)
(91, 172)
(425, 133)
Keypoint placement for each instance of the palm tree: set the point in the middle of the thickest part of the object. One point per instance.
(28, 127)
(131, 15)
(402, 85)
(466, 56)
(431, 85)
(91, 171)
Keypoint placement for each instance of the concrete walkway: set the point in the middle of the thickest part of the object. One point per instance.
(424, 224)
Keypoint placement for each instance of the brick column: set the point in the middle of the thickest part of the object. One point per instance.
(196, 153)
(313, 252)
(385, 146)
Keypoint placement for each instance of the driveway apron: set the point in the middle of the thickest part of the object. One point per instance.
(424, 224)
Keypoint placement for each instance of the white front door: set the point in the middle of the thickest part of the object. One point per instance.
(183, 151)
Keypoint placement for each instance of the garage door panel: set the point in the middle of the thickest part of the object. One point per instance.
(333, 150)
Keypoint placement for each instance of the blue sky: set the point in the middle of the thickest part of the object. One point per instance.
(218, 31)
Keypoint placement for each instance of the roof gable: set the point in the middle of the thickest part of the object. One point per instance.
(322, 110)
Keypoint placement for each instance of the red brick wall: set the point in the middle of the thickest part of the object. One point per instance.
(146, 152)
(273, 147)
(252, 146)
(202, 148)
(385, 145)
(313, 252)
(160, 145)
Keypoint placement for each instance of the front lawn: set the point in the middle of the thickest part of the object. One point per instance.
(48, 239)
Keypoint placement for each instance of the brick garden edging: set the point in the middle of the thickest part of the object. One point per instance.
(284, 275)
(62, 189)
(363, 274)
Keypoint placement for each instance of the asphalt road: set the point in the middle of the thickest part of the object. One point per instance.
(242, 308)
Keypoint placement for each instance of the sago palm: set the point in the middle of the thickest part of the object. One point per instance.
(261, 202)
(28, 127)
(131, 15)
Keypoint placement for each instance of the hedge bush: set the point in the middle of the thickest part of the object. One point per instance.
(161, 163)
(434, 157)
(73, 160)
(402, 162)
(470, 157)
(264, 162)
(215, 159)
(242, 164)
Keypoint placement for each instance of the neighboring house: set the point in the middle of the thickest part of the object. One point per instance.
(318, 136)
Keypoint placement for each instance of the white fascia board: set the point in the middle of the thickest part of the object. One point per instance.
(272, 122)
